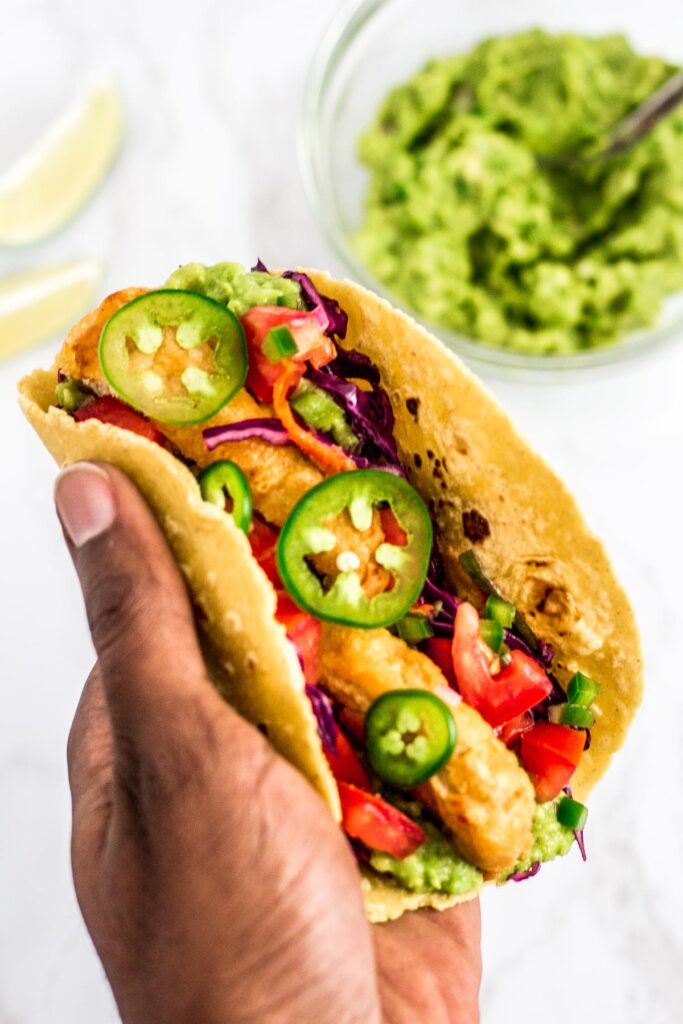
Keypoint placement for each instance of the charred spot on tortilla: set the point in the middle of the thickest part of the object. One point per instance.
(413, 407)
(475, 526)
(417, 459)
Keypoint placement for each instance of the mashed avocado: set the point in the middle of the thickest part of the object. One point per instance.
(436, 867)
(235, 287)
(550, 838)
(467, 227)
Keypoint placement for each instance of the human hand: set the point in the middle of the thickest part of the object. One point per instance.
(213, 881)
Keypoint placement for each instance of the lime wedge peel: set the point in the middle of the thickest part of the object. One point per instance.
(47, 186)
(36, 305)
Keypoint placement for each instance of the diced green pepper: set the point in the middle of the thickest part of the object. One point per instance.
(500, 610)
(571, 813)
(279, 344)
(319, 410)
(571, 714)
(492, 633)
(413, 628)
(582, 690)
(474, 569)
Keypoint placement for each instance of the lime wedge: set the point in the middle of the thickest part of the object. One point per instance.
(49, 184)
(36, 305)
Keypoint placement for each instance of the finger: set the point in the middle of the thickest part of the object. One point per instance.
(89, 751)
(90, 756)
(139, 613)
(420, 947)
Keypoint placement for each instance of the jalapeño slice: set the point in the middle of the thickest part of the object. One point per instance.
(410, 734)
(308, 531)
(176, 356)
(226, 476)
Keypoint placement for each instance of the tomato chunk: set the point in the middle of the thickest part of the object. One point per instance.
(515, 689)
(108, 409)
(510, 732)
(304, 632)
(263, 540)
(376, 823)
(393, 532)
(550, 754)
(438, 648)
(345, 765)
(353, 722)
(313, 345)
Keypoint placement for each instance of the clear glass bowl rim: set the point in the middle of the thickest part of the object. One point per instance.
(349, 21)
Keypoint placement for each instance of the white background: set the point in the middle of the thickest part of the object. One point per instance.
(208, 172)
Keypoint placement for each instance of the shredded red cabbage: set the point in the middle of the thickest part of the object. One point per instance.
(545, 651)
(520, 876)
(267, 428)
(322, 709)
(349, 363)
(331, 316)
(369, 413)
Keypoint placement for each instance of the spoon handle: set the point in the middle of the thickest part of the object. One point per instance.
(644, 118)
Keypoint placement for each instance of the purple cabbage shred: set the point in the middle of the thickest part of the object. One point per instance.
(331, 317)
(268, 429)
(520, 876)
(369, 413)
(578, 832)
(324, 715)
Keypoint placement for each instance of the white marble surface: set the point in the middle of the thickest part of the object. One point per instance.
(208, 172)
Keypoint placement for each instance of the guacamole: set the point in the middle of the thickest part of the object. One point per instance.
(235, 287)
(472, 231)
(436, 867)
(551, 839)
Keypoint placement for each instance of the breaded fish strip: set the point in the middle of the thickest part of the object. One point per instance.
(482, 794)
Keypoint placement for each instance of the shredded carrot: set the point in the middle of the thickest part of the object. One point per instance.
(327, 457)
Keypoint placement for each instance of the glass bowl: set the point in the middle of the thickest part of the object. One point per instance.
(373, 45)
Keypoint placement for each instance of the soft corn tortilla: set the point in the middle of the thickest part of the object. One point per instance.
(464, 455)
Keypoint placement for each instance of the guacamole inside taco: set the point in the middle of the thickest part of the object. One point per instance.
(390, 583)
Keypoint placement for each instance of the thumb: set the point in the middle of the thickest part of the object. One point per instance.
(138, 609)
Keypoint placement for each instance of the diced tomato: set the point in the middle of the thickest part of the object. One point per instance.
(304, 632)
(393, 533)
(261, 537)
(263, 540)
(438, 648)
(110, 410)
(314, 346)
(512, 731)
(517, 688)
(550, 754)
(376, 823)
(345, 764)
(353, 722)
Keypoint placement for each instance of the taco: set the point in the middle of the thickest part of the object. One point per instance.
(389, 582)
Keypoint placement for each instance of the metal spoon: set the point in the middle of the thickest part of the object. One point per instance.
(630, 129)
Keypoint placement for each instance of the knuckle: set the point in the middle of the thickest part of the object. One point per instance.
(178, 767)
(114, 602)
